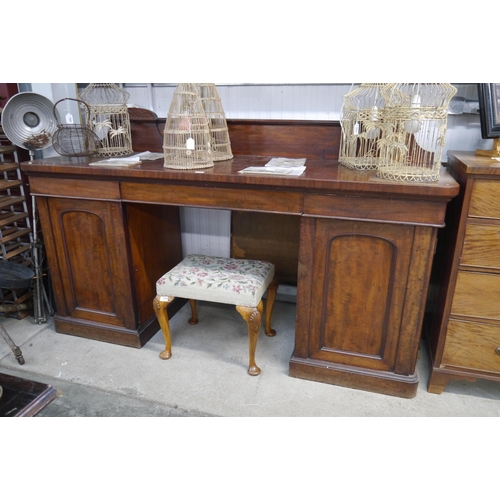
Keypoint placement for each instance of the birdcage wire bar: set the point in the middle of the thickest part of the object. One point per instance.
(186, 137)
(212, 105)
(109, 118)
(361, 118)
(414, 131)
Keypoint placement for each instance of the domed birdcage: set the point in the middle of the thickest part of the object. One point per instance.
(109, 118)
(415, 123)
(212, 104)
(186, 137)
(361, 118)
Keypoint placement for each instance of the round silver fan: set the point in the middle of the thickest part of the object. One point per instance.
(28, 121)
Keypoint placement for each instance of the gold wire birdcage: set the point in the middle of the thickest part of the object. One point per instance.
(361, 118)
(186, 138)
(109, 118)
(414, 130)
(212, 105)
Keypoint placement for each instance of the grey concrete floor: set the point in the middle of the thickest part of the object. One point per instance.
(207, 375)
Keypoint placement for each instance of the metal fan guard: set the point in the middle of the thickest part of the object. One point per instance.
(28, 121)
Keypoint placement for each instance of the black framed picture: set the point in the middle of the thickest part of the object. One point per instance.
(489, 109)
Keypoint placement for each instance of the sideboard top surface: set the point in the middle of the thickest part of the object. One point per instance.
(323, 176)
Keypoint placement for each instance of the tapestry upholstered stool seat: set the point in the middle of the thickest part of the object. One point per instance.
(239, 282)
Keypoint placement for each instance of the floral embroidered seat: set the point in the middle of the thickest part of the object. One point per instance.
(240, 282)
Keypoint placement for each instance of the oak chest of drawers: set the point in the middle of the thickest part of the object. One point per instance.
(463, 325)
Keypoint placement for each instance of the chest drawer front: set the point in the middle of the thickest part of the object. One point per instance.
(481, 246)
(477, 295)
(472, 345)
(485, 199)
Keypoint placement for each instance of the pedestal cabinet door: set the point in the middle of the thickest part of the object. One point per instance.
(92, 261)
(358, 296)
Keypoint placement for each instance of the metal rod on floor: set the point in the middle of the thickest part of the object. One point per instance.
(38, 289)
(14, 348)
(47, 301)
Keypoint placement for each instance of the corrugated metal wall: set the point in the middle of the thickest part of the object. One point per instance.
(301, 102)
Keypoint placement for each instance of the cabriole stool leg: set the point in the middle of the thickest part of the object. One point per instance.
(160, 307)
(253, 317)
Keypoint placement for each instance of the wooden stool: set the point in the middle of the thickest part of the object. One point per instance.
(217, 279)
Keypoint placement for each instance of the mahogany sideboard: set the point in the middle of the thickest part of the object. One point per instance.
(365, 248)
(463, 322)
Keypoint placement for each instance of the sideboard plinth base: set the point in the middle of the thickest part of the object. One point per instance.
(388, 383)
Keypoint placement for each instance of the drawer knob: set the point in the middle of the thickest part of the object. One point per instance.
(497, 350)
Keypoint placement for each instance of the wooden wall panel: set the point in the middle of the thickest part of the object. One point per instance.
(272, 237)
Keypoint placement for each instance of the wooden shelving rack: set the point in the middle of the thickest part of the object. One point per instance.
(16, 237)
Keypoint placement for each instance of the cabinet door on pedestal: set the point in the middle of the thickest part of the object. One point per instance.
(90, 270)
(360, 303)
(358, 294)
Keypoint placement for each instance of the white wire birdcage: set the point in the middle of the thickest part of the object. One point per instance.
(361, 117)
(414, 130)
(109, 118)
(212, 104)
(186, 138)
